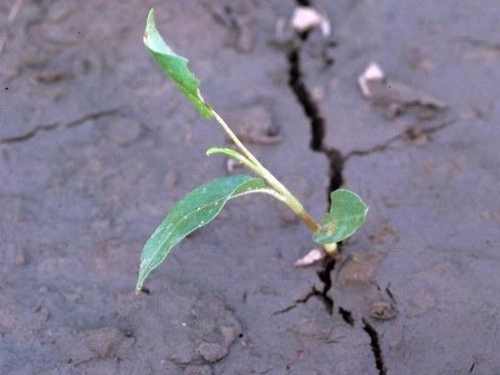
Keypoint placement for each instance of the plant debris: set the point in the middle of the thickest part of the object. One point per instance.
(312, 257)
(307, 18)
(394, 96)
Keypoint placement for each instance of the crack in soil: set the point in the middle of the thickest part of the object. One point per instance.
(346, 315)
(57, 125)
(313, 113)
(325, 276)
(472, 367)
(304, 3)
(30, 134)
(478, 43)
(336, 165)
(300, 301)
(413, 133)
(334, 156)
(305, 99)
(376, 349)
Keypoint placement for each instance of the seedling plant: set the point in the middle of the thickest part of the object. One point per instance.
(203, 204)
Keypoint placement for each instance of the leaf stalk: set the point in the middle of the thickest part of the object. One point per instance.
(288, 198)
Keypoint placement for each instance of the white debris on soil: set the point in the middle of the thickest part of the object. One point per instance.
(395, 96)
(307, 18)
(233, 165)
(372, 73)
(312, 257)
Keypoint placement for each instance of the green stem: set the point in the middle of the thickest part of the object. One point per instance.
(288, 198)
(330, 248)
(268, 191)
(234, 155)
(235, 139)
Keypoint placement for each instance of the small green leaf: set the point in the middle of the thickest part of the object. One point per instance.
(174, 66)
(195, 210)
(225, 151)
(235, 155)
(347, 214)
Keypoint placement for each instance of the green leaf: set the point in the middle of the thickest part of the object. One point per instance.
(226, 151)
(347, 214)
(195, 210)
(235, 155)
(174, 66)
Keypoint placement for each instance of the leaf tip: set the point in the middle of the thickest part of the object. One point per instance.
(151, 15)
(150, 25)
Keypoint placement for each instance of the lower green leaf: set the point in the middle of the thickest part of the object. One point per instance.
(347, 214)
(196, 209)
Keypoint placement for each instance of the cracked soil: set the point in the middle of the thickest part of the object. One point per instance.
(96, 145)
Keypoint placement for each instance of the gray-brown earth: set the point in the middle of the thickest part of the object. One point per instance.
(96, 145)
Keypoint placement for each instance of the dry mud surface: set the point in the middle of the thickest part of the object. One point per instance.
(96, 146)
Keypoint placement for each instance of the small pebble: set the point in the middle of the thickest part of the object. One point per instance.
(212, 352)
(107, 341)
(382, 310)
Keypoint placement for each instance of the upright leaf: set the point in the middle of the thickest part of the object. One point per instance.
(196, 209)
(174, 66)
(347, 214)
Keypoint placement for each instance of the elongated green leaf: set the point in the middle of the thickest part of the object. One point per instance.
(235, 155)
(195, 210)
(226, 151)
(347, 214)
(174, 66)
